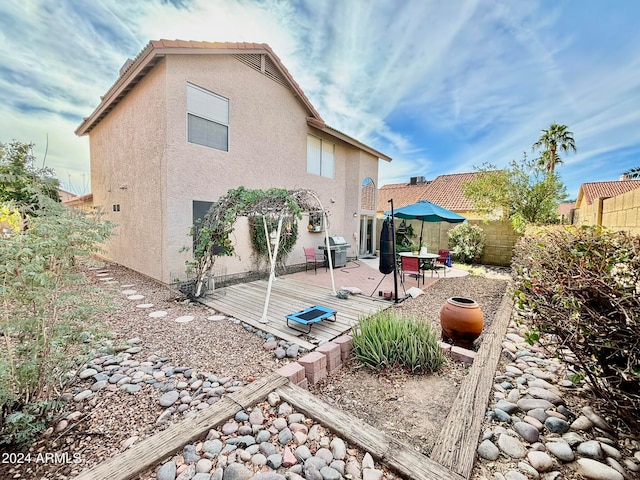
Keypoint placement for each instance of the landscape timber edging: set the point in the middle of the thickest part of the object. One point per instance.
(455, 447)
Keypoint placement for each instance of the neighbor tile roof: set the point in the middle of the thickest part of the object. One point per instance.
(401, 193)
(590, 191)
(446, 191)
(565, 208)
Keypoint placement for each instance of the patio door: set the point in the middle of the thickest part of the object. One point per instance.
(367, 234)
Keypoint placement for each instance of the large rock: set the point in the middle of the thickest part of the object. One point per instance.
(511, 446)
(236, 471)
(594, 470)
(167, 471)
(169, 398)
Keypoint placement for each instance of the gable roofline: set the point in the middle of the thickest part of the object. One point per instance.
(323, 127)
(590, 191)
(156, 50)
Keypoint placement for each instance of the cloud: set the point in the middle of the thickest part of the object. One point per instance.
(439, 86)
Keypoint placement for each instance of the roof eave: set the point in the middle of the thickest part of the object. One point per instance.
(146, 60)
(323, 127)
(152, 54)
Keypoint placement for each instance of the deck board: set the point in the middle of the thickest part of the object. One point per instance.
(246, 302)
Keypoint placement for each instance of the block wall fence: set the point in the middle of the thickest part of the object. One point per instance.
(621, 212)
(501, 238)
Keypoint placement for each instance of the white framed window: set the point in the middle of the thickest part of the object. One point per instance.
(207, 118)
(320, 157)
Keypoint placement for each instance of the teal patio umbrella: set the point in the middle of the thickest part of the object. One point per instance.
(426, 212)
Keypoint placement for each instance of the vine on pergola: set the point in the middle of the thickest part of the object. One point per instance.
(212, 233)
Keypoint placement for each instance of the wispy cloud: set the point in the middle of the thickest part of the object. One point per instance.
(439, 86)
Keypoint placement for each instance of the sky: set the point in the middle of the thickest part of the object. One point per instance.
(440, 86)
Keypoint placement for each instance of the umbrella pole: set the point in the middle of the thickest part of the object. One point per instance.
(421, 229)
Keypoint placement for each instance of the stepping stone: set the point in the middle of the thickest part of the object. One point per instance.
(129, 292)
(185, 319)
(135, 297)
(158, 314)
(216, 318)
(144, 305)
(128, 286)
(106, 279)
(102, 274)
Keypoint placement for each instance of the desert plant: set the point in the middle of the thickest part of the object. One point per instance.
(43, 320)
(582, 287)
(467, 242)
(388, 339)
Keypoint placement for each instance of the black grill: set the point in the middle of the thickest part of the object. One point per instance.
(338, 247)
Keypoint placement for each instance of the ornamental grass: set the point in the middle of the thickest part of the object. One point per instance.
(391, 340)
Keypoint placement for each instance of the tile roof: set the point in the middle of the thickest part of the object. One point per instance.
(446, 191)
(155, 50)
(590, 191)
(565, 208)
(401, 193)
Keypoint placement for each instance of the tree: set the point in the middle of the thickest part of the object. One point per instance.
(555, 138)
(526, 193)
(633, 173)
(20, 180)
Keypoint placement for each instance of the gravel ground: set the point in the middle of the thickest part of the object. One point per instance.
(413, 408)
(111, 421)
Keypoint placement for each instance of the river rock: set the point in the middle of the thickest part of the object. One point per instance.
(511, 446)
(527, 431)
(541, 461)
(488, 450)
(594, 470)
(561, 450)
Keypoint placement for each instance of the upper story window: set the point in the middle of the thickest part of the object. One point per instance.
(320, 160)
(207, 118)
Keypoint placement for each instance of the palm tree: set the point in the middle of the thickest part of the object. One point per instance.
(632, 173)
(555, 138)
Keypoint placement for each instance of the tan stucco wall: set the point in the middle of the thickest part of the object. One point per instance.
(141, 144)
(127, 165)
(267, 148)
(621, 212)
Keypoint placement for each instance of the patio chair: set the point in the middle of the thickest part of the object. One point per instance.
(443, 261)
(312, 258)
(411, 266)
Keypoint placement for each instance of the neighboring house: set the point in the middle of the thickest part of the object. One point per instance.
(83, 202)
(565, 212)
(444, 190)
(64, 195)
(401, 193)
(613, 204)
(187, 121)
(590, 192)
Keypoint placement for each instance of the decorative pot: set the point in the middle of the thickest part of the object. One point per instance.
(461, 320)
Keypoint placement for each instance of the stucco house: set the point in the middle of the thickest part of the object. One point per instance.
(612, 204)
(185, 122)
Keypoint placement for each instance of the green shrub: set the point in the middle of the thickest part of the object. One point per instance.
(582, 286)
(388, 339)
(467, 242)
(44, 320)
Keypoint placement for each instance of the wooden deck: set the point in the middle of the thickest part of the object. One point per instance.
(246, 303)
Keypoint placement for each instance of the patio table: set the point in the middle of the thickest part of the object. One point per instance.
(427, 260)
